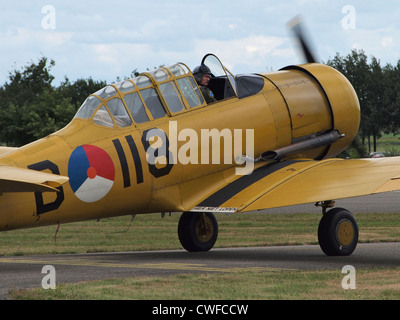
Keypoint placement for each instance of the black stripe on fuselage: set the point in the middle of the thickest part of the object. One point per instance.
(136, 159)
(233, 188)
(124, 163)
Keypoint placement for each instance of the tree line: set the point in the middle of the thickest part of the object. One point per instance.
(378, 90)
(32, 107)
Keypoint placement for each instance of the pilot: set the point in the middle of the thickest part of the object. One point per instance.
(202, 74)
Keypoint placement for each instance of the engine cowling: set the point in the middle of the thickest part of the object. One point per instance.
(319, 101)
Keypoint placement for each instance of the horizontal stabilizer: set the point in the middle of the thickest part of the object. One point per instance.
(14, 179)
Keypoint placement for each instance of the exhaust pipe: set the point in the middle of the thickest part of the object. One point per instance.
(316, 142)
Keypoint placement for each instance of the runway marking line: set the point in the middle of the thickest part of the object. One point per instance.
(165, 266)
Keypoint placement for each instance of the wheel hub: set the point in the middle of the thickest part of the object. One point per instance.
(345, 232)
(204, 229)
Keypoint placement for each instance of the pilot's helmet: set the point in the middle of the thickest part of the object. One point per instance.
(199, 71)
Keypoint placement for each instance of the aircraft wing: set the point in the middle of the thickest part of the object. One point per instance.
(295, 182)
(14, 179)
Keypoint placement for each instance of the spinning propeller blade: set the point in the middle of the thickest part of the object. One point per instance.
(297, 26)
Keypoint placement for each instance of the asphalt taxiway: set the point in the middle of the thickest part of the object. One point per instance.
(26, 271)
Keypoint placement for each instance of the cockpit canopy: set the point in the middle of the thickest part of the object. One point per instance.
(138, 100)
(162, 92)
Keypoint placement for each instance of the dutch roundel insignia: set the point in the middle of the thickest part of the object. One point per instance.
(91, 173)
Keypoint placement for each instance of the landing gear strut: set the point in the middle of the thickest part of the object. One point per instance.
(197, 231)
(337, 232)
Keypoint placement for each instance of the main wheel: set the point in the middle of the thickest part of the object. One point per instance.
(197, 231)
(338, 232)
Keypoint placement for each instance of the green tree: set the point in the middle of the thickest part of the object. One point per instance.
(355, 68)
(391, 97)
(378, 93)
(378, 116)
(47, 114)
(79, 90)
(27, 83)
(30, 107)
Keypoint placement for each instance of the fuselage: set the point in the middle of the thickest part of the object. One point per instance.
(119, 168)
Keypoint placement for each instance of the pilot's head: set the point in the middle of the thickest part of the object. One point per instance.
(202, 74)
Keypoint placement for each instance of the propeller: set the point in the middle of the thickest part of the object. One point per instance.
(297, 26)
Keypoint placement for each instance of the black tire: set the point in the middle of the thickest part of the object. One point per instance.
(338, 232)
(197, 231)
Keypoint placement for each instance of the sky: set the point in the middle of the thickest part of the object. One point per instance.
(107, 40)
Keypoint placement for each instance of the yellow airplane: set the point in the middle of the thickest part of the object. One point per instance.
(153, 144)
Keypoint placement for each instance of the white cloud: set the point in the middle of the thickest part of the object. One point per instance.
(103, 40)
(387, 41)
(380, 43)
(43, 38)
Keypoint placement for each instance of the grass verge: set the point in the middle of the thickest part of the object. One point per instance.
(277, 285)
